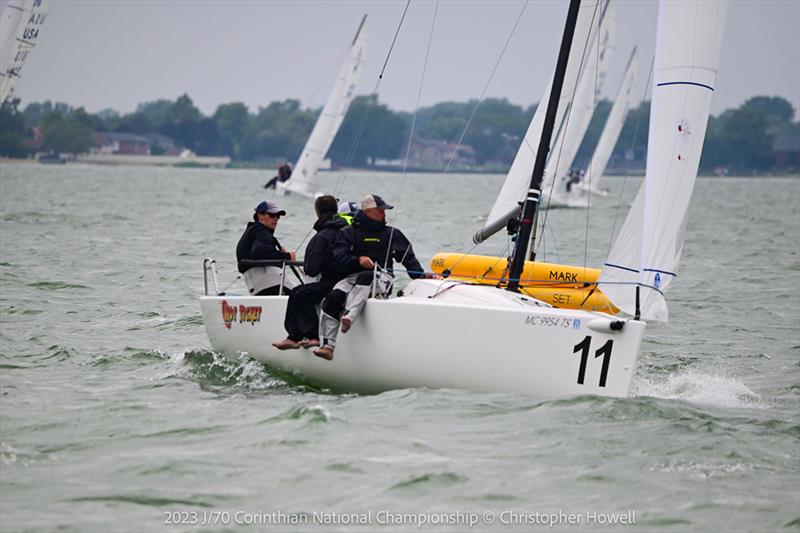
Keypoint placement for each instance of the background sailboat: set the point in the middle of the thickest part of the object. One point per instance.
(576, 122)
(515, 186)
(611, 130)
(330, 119)
(20, 24)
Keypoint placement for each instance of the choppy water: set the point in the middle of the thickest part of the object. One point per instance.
(116, 416)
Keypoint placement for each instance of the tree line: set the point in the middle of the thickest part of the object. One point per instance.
(740, 140)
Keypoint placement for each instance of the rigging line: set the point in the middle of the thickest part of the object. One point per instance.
(566, 126)
(304, 239)
(555, 243)
(401, 195)
(419, 93)
(475, 108)
(618, 210)
(396, 33)
(589, 168)
(360, 130)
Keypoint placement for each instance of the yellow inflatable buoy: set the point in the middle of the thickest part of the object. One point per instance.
(566, 286)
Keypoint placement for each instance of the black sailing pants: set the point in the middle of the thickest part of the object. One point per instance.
(301, 320)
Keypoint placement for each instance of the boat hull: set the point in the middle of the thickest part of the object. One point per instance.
(426, 342)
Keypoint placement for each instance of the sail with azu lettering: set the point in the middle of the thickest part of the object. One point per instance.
(21, 22)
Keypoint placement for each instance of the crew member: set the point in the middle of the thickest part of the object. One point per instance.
(574, 178)
(301, 320)
(284, 173)
(359, 248)
(258, 242)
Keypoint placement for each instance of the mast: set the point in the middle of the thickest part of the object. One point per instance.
(531, 205)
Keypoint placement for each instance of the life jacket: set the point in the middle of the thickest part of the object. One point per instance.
(371, 243)
(346, 217)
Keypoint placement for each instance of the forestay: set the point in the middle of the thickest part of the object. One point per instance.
(20, 24)
(519, 175)
(649, 246)
(331, 117)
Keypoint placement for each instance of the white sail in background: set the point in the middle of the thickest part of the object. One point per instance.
(612, 129)
(570, 137)
(20, 24)
(331, 117)
(649, 246)
(518, 178)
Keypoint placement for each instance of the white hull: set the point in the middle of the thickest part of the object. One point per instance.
(283, 189)
(571, 200)
(585, 188)
(467, 337)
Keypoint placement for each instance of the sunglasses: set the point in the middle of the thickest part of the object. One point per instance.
(271, 215)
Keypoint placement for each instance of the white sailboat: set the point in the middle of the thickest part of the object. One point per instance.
(597, 62)
(20, 24)
(516, 184)
(329, 121)
(451, 334)
(611, 130)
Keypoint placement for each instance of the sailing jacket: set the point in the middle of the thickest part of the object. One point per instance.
(381, 243)
(258, 242)
(319, 252)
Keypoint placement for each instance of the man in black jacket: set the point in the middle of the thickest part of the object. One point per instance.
(301, 320)
(258, 242)
(358, 249)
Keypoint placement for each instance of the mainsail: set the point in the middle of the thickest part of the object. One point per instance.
(613, 127)
(331, 117)
(648, 248)
(20, 24)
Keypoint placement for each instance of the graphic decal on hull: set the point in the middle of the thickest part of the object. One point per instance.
(244, 313)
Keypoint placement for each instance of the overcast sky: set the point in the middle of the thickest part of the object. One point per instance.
(117, 54)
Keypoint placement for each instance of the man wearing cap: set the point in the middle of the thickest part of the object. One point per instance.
(301, 320)
(359, 248)
(258, 242)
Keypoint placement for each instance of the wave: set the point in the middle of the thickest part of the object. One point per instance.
(699, 388)
(211, 369)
